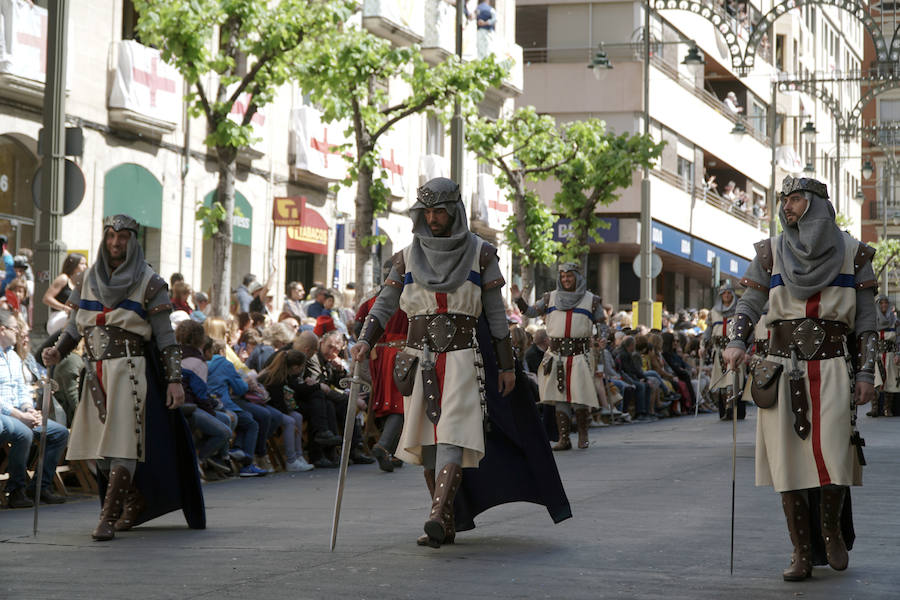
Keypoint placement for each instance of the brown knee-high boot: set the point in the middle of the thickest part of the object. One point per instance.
(563, 426)
(888, 404)
(582, 420)
(134, 506)
(450, 535)
(116, 490)
(440, 522)
(796, 511)
(835, 549)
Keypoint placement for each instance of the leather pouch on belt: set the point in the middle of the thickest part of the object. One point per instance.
(405, 372)
(764, 389)
(548, 366)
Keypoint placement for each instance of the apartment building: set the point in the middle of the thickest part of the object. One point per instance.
(145, 156)
(710, 188)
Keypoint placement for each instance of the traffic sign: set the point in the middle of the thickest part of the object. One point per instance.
(655, 265)
(74, 187)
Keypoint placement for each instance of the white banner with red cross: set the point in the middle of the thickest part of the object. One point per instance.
(23, 39)
(145, 84)
(393, 162)
(317, 147)
(257, 121)
(493, 207)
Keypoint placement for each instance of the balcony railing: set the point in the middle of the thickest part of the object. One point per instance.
(698, 193)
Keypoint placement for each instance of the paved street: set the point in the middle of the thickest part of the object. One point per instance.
(651, 505)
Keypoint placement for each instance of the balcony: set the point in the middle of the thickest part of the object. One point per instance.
(146, 92)
(490, 42)
(403, 23)
(440, 21)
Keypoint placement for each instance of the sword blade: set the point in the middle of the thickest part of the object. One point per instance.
(345, 453)
(735, 398)
(42, 445)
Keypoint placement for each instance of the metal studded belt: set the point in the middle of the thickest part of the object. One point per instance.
(104, 342)
(569, 346)
(442, 333)
(813, 339)
(886, 346)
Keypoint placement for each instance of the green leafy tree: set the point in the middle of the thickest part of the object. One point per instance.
(887, 255)
(252, 48)
(524, 147)
(604, 164)
(347, 75)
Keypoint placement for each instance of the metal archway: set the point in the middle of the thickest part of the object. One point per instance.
(810, 86)
(880, 87)
(715, 15)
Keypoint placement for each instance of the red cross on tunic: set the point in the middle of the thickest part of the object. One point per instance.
(324, 147)
(392, 166)
(39, 42)
(153, 80)
(100, 320)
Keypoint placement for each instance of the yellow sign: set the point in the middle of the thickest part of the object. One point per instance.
(657, 315)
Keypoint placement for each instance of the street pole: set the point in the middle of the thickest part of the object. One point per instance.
(645, 303)
(884, 235)
(49, 249)
(456, 127)
(773, 125)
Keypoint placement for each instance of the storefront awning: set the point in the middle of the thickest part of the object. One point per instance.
(132, 190)
(241, 221)
(311, 236)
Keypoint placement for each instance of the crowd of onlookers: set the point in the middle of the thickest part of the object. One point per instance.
(739, 200)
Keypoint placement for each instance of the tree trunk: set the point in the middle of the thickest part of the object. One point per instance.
(365, 270)
(526, 268)
(220, 298)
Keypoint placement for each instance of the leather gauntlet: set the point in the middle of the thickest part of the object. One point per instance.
(504, 352)
(371, 331)
(171, 359)
(65, 344)
(743, 328)
(867, 343)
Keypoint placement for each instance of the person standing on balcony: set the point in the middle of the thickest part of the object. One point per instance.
(820, 287)
(486, 16)
(731, 103)
(566, 373)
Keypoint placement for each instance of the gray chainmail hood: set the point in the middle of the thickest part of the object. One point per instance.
(884, 320)
(569, 300)
(112, 287)
(441, 264)
(811, 251)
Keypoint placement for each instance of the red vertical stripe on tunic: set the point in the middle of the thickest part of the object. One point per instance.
(883, 355)
(815, 393)
(441, 299)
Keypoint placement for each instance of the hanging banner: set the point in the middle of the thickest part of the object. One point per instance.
(144, 83)
(317, 147)
(23, 39)
(288, 211)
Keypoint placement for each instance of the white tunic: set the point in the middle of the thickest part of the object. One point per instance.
(783, 460)
(461, 422)
(576, 322)
(889, 382)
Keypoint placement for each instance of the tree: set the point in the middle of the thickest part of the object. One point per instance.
(524, 147)
(346, 76)
(604, 164)
(887, 252)
(206, 37)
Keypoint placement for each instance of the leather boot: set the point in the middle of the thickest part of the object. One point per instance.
(582, 420)
(888, 404)
(383, 457)
(874, 412)
(835, 549)
(796, 511)
(429, 481)
(440, 522)
(116, 490)
(134, 506)
(563, 425)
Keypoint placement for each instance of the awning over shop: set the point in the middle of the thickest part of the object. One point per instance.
(684, 245)
(132, 190)
(398, 228)
(311, 236)
(562, 230)
(242, 221)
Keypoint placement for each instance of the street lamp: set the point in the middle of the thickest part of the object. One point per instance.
(694, 60)
(809, 131)
(600, 64)
(867, 169)
(809, 170)
(739, 130)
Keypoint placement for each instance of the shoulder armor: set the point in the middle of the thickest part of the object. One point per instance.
(399, 263)
(864, 254)
(764, 253)
(488, 251)
(154, 286)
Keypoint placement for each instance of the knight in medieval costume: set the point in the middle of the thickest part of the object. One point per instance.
(820, 286)
(566, 374)
(715, 338)
(128, 418)
(887, 372)
(447, 281)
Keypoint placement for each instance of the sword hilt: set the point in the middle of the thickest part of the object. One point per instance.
(364, 385)
(47, 381)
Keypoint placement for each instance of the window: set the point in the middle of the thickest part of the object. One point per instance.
(129, 22)
(686, 172)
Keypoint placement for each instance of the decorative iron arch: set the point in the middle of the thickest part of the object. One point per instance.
(880, 87)
(854, 7)
(809, 86)
(714, 14)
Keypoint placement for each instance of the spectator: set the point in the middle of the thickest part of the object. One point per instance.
(535, 354)
(242, 293)
(16, 292)
(23, 272)
(21, 421)
(278, 377)
(731, 103)
(7, 264)
(67, 375)
(175, 279)
(224, 383)
(290, 322)
(486, 16)
(324, 300)
(213, 430)
(57, 293)
(275, 337)
(729, 193)
(293, 304)
(181, 292)
(630, 364)
(201, 301)
(324, 324)
(319, 413)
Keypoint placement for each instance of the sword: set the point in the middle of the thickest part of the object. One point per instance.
(49, 386)
(355, 383)
(735, 398)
